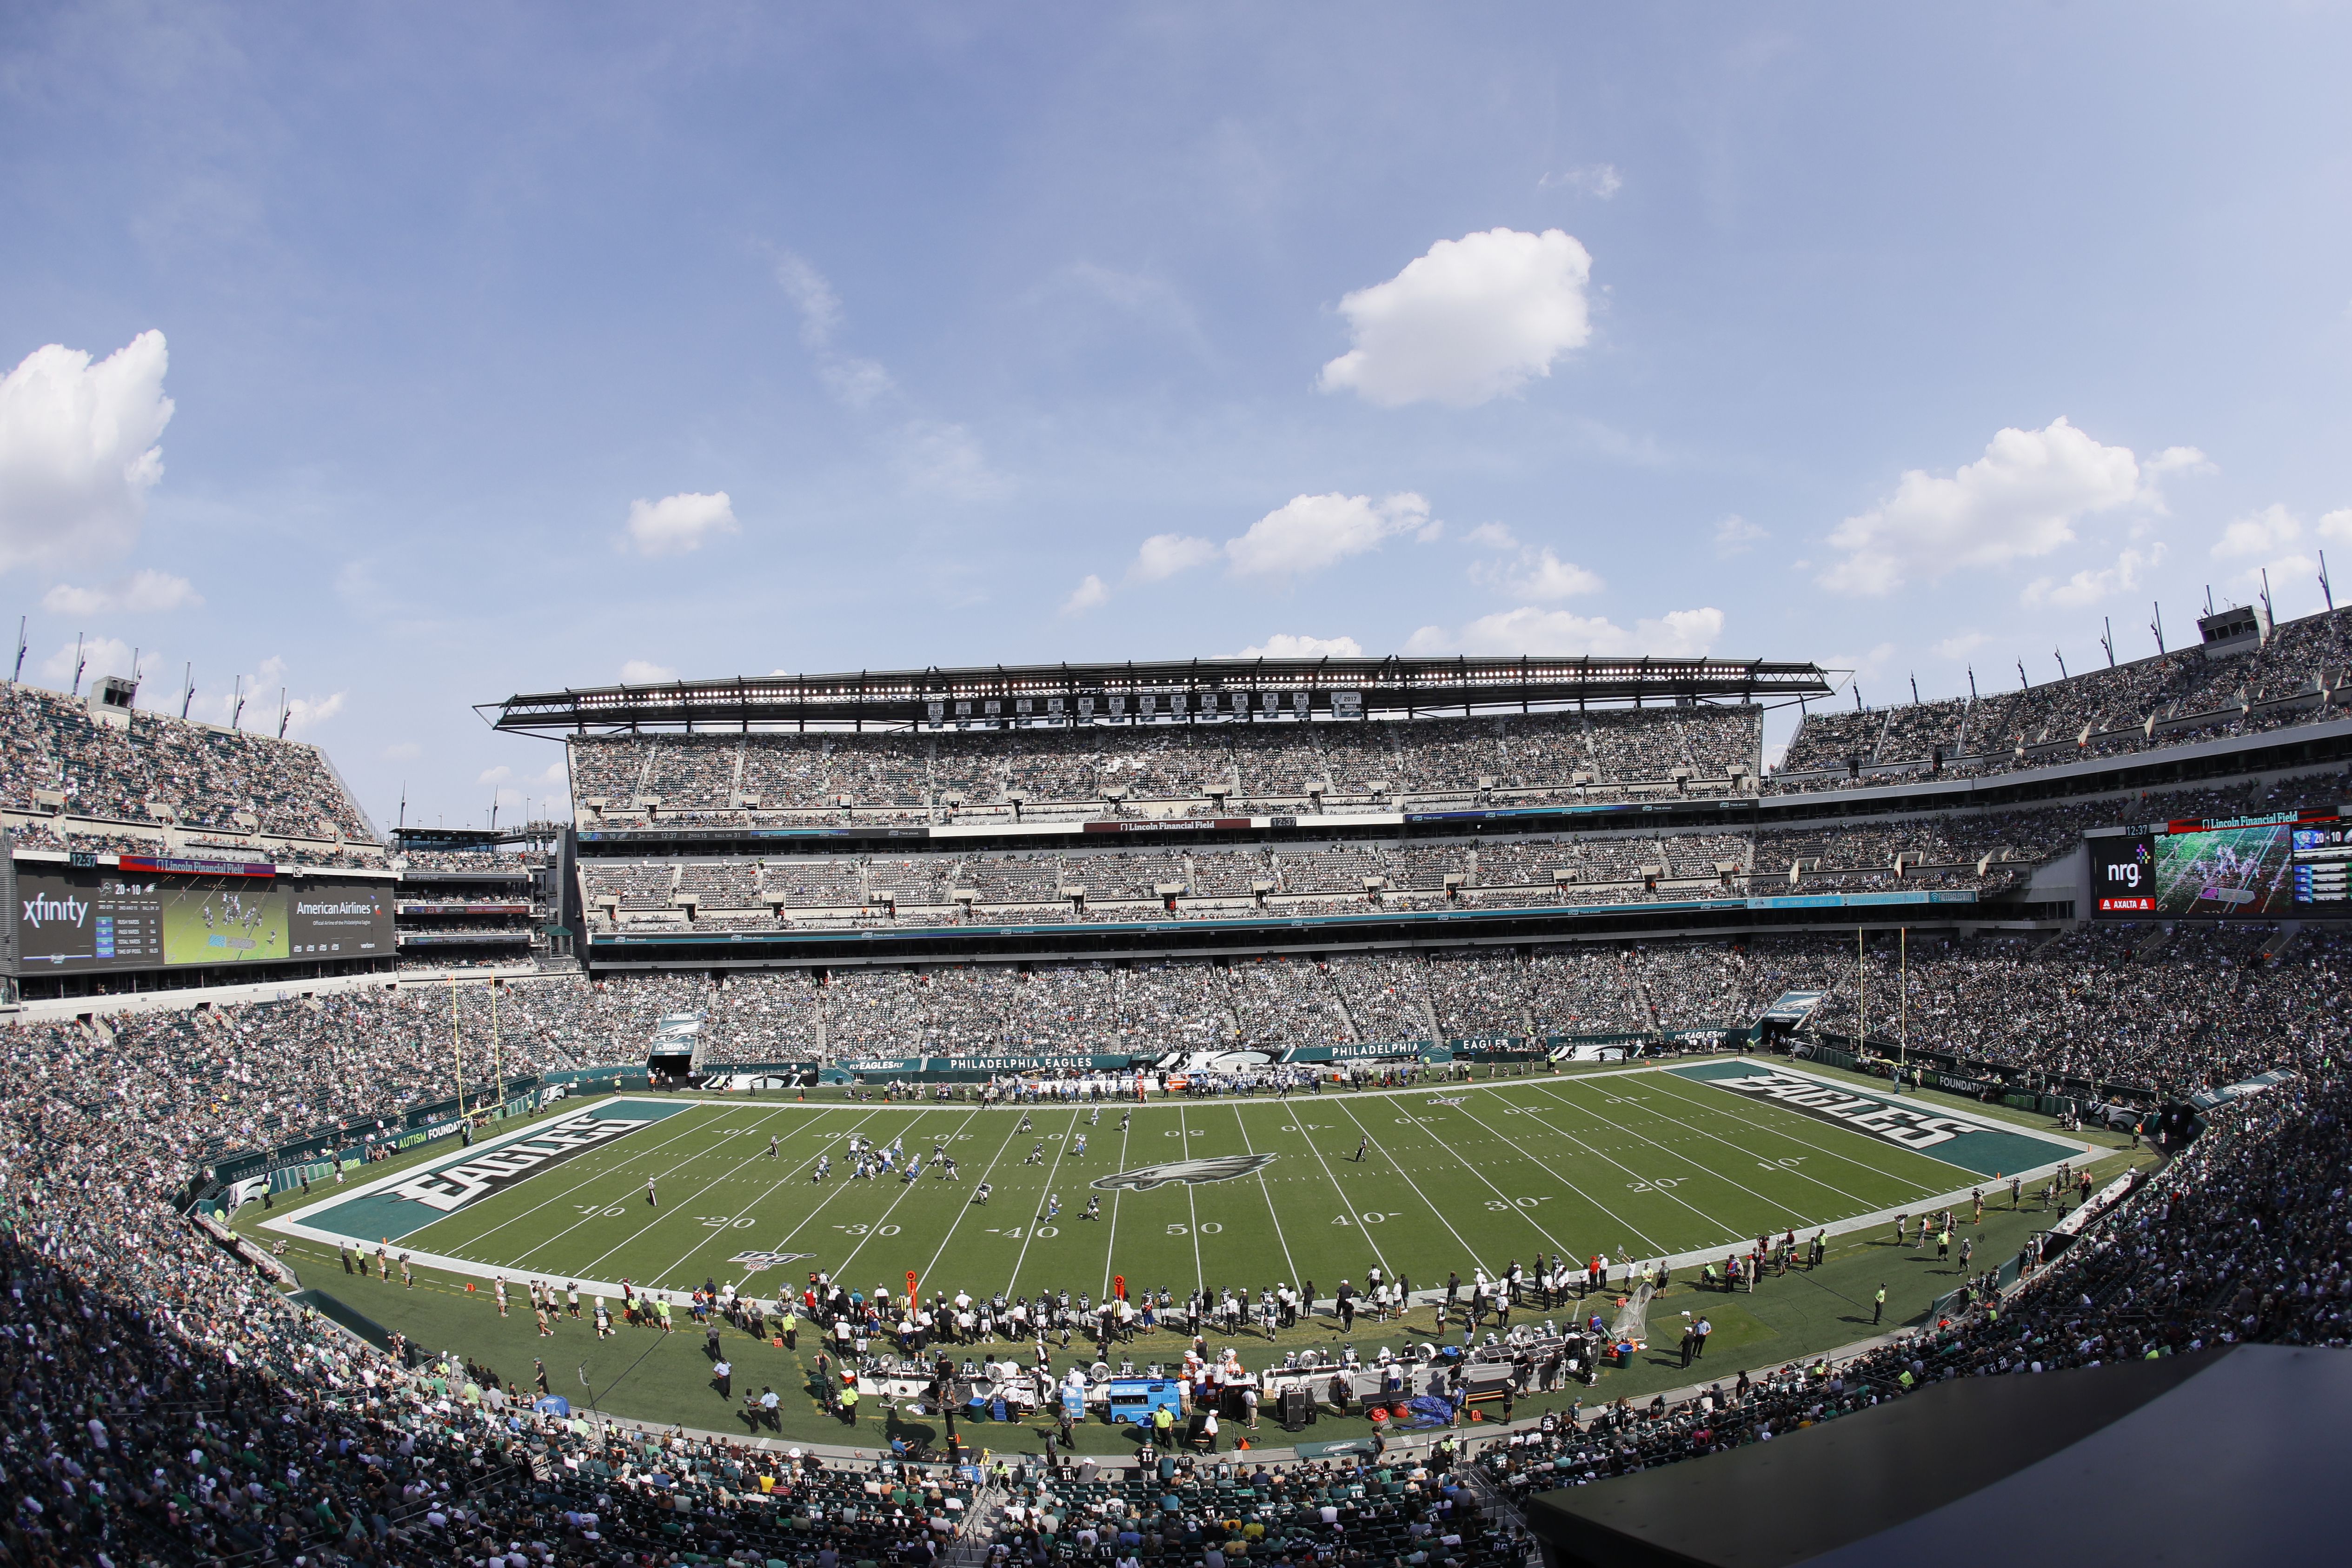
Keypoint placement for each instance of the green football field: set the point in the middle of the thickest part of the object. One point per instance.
(1244, 1193)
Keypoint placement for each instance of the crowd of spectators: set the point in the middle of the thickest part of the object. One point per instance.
(170, 1405)
(2246, 1236)
(2167, 700)
(155, 767)
(1206, 768)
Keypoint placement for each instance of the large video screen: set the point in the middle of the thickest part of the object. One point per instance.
(112, 918)
(2291, 868)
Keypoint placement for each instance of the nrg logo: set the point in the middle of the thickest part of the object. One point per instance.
(2128, 872)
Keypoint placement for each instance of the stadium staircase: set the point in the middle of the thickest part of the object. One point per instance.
(1340, 1001)
(971, 1548)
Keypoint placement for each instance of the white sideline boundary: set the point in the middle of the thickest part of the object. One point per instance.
(297, 1225)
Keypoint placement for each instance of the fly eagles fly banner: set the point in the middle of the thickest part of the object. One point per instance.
(1982, 1147)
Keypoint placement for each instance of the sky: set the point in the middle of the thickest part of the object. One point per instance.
(396, 359)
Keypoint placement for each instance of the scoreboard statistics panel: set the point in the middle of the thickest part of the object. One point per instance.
(2291, 865)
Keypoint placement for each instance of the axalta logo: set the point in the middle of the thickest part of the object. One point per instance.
(42, 909)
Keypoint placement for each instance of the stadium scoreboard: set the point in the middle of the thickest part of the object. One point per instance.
(2287, 865)
(167, 912)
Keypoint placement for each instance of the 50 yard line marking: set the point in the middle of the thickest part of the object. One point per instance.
(1200, 1273)
(1110, 1243)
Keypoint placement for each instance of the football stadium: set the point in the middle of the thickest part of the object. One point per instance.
(926, 1097)
(919, 785)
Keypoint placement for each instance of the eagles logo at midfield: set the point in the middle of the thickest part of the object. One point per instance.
(1191, 1173)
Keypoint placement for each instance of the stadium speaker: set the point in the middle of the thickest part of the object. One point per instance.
(1297, 1410)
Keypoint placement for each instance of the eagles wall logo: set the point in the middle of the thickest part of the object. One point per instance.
(1191, 1173)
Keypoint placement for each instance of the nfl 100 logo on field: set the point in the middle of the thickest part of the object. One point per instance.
(452, 1188)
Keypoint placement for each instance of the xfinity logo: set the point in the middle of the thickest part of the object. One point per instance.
(43, 907)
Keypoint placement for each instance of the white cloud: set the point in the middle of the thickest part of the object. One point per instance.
(1291, 644)
(1493, 536)
(263, 690)
(2178, 461)
(676, 525)
(2021, 500)
(1308, 534)
(499, 775)
(99, 656)
(1735, 535)
(819, 306)
(2257, 533)
(853, 381)
(1600, 180)
(1472, 320)
(78, 452)
(1678, 634)
(1165, 554)
(947, 459)
(1874, 662)
(2088, 588)
(1089, 594)
(1960, 645)
(141, 591)
(2336, 526)
(1537, 574)
(644, 672)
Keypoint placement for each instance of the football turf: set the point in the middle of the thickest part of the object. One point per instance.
(1641, 1165)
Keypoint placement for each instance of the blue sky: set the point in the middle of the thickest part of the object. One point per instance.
(496, 349)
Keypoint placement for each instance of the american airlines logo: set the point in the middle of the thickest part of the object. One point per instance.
(42, 909)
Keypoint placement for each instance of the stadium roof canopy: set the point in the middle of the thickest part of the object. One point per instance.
(1294, 688)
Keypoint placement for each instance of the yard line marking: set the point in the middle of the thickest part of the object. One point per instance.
(690, 1125)
(1526, 1214)
(1029, 1232)
(965, 1207)
(1248, 1148)
(1416, 1192)
(1347, 1213)
(1664, 1192)
(539, 1247)
(1661, 1077)
(706, 1186)
(1728, 1144)
(1110, 1246)
(1200, 1273)
(905, 1188)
